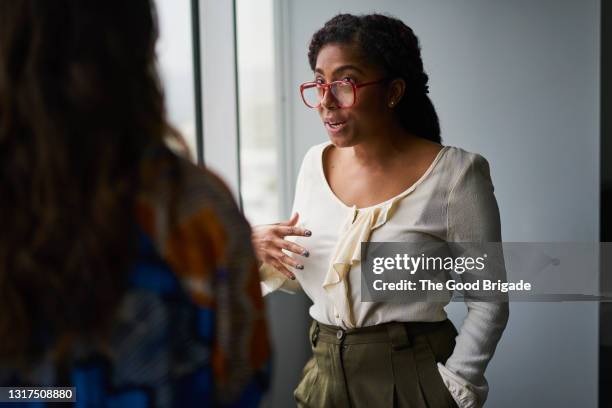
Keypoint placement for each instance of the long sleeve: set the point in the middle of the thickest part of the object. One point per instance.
(242, 350)
(271, 279)
(473, 216)
(210, 250)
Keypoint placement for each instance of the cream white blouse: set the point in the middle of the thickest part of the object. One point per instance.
(453, 201)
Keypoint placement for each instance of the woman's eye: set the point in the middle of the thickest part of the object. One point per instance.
(320, 81)
(348, 79)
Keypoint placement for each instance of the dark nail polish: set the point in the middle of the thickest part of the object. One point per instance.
(300, 267)
(307, 233)
(293, 278)
(306, 254)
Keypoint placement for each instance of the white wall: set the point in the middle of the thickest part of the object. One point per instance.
(517, 81)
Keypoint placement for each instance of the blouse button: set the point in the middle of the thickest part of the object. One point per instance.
(340, 334)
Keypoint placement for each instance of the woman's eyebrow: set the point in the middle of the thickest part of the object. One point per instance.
(341, 69)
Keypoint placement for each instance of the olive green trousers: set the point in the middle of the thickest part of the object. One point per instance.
(388, 365)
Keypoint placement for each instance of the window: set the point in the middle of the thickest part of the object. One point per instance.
(257, 110)
(175, 53)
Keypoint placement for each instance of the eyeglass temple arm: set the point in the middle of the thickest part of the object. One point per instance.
(370, 83)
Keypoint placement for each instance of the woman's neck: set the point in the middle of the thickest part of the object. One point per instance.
(380, 150)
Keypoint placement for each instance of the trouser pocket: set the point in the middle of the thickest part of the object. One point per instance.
(435, 348)
(306, 386)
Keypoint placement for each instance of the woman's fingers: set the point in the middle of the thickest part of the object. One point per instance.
(269, 245)
(292, 221)
(292, 247)
(290, 228)
(282, 269)
(287, 260)
(286, 231)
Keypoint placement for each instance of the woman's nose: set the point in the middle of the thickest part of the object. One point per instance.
(329, 101)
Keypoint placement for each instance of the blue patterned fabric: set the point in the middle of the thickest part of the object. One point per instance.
(159, 354)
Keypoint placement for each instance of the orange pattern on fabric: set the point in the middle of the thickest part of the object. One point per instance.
(191, 249)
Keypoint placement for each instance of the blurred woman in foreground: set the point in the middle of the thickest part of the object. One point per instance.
(125, 271)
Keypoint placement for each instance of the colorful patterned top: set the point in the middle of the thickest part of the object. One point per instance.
(191, 329)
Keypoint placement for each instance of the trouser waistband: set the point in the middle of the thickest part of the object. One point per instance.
(399, 334)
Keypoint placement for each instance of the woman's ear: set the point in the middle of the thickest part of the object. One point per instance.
(397, 87)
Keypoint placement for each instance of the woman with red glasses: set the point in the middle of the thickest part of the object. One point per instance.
(384, 176)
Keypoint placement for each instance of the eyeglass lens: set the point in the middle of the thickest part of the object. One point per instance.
(341, 91)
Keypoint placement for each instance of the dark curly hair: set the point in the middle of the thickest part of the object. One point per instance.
(392, 45)
(80, 106)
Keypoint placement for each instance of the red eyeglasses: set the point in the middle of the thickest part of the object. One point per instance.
(344, 92)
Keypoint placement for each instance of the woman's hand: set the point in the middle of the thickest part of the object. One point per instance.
(268, 241)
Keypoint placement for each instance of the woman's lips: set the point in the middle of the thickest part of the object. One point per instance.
(335, 127)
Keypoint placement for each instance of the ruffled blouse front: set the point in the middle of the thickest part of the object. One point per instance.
(357, 228)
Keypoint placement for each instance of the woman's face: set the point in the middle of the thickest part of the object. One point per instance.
(370, 113)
